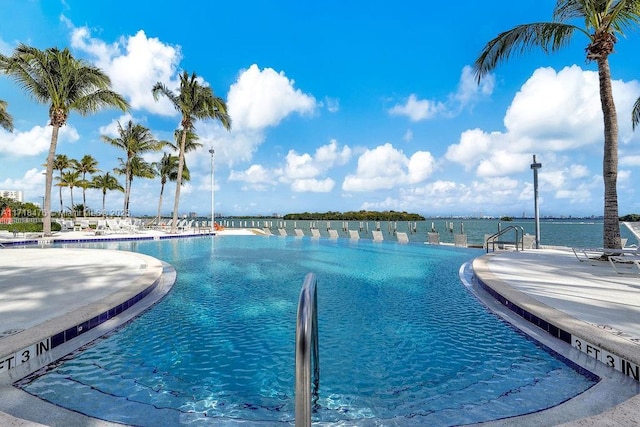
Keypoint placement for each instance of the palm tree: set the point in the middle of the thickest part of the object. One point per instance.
(70, 179)
(167, 169)
(137, 167)
(86, 165)
(106, 182)
(67, 84)
(134, 139)
(603, 20)
(193, 101)
(190, 144)
(6, 121)
(61, 163)
(635, 115)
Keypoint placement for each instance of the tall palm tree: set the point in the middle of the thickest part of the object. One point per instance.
(603, 21)
(193, 101)
(106, 182)
(136, 167)
(6, 121)
(86, 165)
(167, 169)
(61, 163)
(67, 84)
(70, 179)
(635, 114)
(134, 139)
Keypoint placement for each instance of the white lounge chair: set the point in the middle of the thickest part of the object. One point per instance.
(101, 228)
(299, 232)
(433, 238)
(460, 240)
(315, 233)
(402, 237)
(113, 226)
(625, 264)
(333, 234)
(377, 236)
(282, 232)
(354, 235)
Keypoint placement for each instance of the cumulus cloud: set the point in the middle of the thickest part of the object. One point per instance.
(134, 64)
(262, 98)
(256, 177)
(417, 109)
(466, 95)
(32, 182)
(303, 170)
(34, 141)
(469, 91)
(313, 185)
(385, 167)
(553, 112)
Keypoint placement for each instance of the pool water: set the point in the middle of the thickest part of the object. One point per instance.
(402, 341)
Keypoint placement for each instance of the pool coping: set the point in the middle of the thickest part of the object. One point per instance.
(614, 399)
(72, 331)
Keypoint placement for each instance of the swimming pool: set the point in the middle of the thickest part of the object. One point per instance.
(401, 341)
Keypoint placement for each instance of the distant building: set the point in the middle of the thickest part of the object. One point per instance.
(12, 194)
(193, 215)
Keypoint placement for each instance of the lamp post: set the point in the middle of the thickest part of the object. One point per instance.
(213, 218)
(535, 166)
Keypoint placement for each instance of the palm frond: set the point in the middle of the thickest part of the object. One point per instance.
(6, 121)
(635, 114)
(549, 36)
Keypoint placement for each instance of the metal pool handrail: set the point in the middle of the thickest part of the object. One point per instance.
(307, 354)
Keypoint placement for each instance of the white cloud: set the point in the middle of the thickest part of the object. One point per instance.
(417, 109)
(633, 160)
(111, 129)
(332, 104)
(262, 98)
(552, 112)
(502, 163)
(31, 184)
(134, 64)
(466, 95)
(313, 185)
(302, 170)
(34, 141)
(469, 90)
(385, 167)
(256, 177)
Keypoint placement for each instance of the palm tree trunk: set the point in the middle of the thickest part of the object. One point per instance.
(61, 206)
(84, 197)
(46, 220)
(160, 202)
(176, 201)
(104, 196)
(73, 209)
(611, 231)
(127, 189)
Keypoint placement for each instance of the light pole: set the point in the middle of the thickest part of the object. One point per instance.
(213, 218)
(535, 166)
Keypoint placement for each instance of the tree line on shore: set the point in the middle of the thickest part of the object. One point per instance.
(355, 216)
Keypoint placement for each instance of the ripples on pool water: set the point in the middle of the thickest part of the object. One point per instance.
(401, 341)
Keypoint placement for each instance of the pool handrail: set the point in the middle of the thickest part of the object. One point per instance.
(307, 354)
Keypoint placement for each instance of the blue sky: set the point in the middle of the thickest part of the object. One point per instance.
(335, 106)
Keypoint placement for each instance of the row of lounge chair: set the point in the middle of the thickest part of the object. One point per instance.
(377, 235)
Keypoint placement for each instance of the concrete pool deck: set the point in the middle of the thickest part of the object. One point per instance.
(593, 303)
